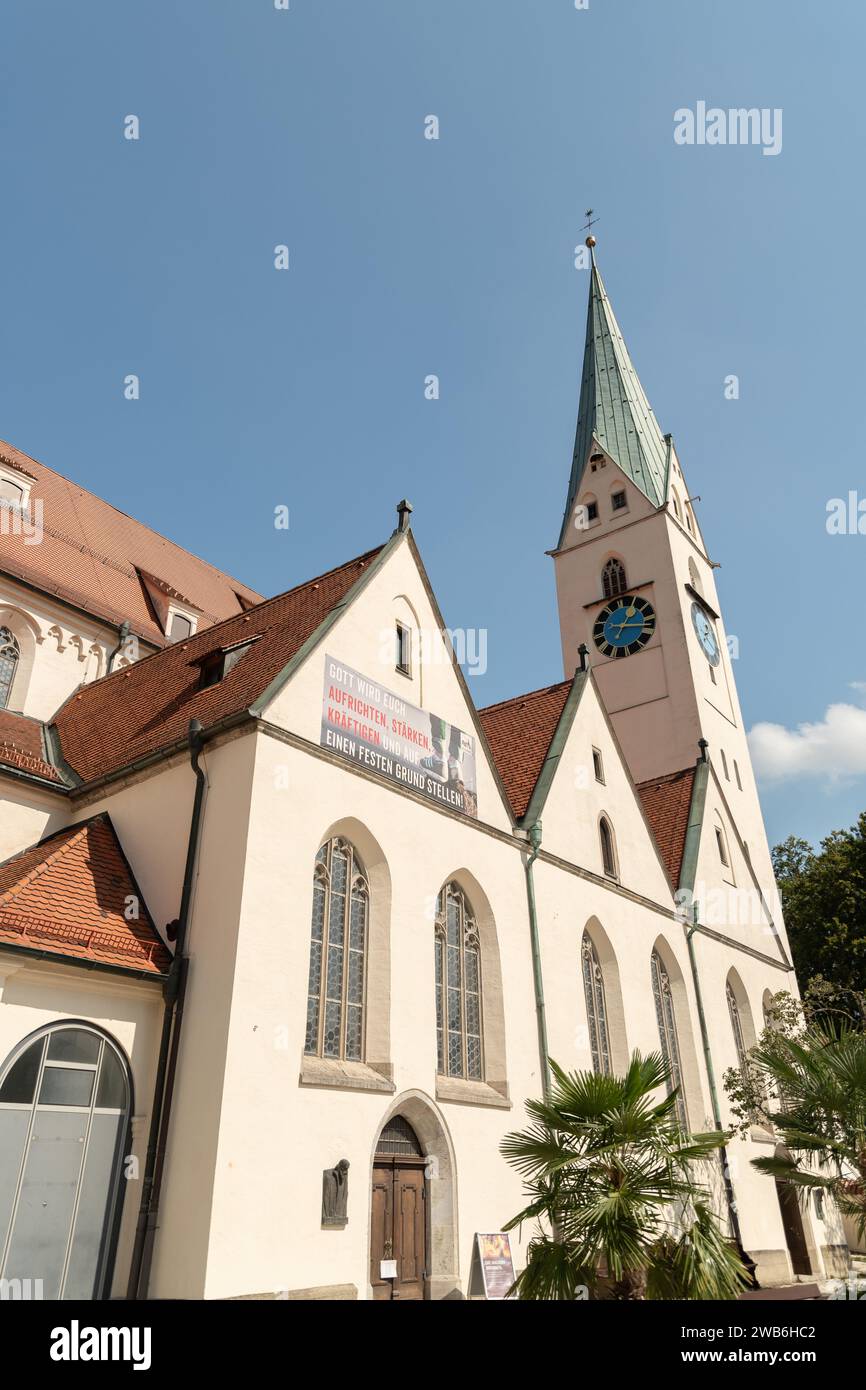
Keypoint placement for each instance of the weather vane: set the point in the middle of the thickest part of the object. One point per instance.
(588, 225)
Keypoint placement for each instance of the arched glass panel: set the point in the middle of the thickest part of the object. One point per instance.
(608, 855)
(613, 578)
(668, 1032)
(596, 1008)
(458, 987)
(9, 654)
(64, 1110)
(338, 949)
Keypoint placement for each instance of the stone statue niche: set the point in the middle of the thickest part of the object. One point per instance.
(335, 1195)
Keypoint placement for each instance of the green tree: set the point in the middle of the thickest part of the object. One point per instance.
(815, 1090)
(608, 1173)
(824, 901)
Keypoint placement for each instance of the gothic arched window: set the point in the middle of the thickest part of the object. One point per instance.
(737, 1026)
(596, 1009)
(613, 579)
(664, 1003)
(9, 654)
(608, 850)
(458, 987)
(338, 949)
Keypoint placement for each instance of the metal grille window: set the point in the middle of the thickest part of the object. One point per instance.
(458, 987)
(596, 1009)
(398, 1138)
(613, 578)
(9, 654)
(668, 1032)
(338, 950)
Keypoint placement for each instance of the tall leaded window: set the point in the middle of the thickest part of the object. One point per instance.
(9, 654)
(664, 1003)
(613, 578)
(458, 987)
(596, 1009)
(737, 1026)
(338, 949)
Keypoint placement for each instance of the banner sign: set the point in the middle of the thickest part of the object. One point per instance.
(367, 724)
(497, 1266)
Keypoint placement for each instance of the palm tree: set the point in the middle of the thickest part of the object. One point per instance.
(818, 1081)
(606, 1166)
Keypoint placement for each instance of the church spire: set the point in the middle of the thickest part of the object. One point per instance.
(614, 413)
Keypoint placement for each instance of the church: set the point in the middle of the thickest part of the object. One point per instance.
(289, 928)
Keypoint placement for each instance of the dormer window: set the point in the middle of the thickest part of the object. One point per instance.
(180, 629)
(11, 493)
(216, 665)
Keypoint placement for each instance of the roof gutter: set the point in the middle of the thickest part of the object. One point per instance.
(534, 833)
(174, 994)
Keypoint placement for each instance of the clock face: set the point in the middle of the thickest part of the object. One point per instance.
(624, 625)
(706, 634)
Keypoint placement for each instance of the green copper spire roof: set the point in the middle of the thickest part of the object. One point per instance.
(614, 410)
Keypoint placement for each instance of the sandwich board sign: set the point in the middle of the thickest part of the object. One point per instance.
(497, 1265)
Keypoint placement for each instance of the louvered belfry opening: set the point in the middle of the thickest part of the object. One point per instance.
(398, 1140)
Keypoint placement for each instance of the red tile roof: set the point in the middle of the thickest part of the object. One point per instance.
(68, 895)
(519, 732)
(21, 745)
(666, 801)
(144, 708)
(89, 553)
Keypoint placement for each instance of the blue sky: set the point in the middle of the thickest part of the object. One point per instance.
(454, 257)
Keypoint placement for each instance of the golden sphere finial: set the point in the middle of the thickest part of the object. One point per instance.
(590, 241)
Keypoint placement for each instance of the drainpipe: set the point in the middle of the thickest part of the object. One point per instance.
(122, 634)
(535, 842)
(174, 993)
(714, 1100)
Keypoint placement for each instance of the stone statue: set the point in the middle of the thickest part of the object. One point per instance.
(335, 1195)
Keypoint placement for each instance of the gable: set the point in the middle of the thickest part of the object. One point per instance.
(360, 647)
(70, 895)
(576, 799)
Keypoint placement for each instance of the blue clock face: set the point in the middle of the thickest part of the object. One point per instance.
(703, 626)
(624, 625)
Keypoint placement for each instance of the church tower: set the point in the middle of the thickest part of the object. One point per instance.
(636, 584)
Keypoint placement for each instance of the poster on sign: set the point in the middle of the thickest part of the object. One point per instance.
(367, 724)
(497, 1265)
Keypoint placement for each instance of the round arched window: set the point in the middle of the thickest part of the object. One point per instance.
(64, 1111)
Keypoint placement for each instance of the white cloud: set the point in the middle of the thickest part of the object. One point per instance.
(834, 748)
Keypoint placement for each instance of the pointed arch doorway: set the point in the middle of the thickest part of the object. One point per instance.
(413, 1204)
(400, 1220)
(792, 1222)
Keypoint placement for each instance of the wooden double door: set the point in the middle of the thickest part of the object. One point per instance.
(399, 1228)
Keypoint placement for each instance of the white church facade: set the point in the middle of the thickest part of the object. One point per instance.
(288, 928)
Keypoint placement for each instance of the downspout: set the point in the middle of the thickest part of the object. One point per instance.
(541, 1019)
(687, 881)
(714, 1101)
(122, 634)
(174, 993)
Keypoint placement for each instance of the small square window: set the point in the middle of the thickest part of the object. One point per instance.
(404, 649)
(618, 501)
(598, 765)
(592, 511)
